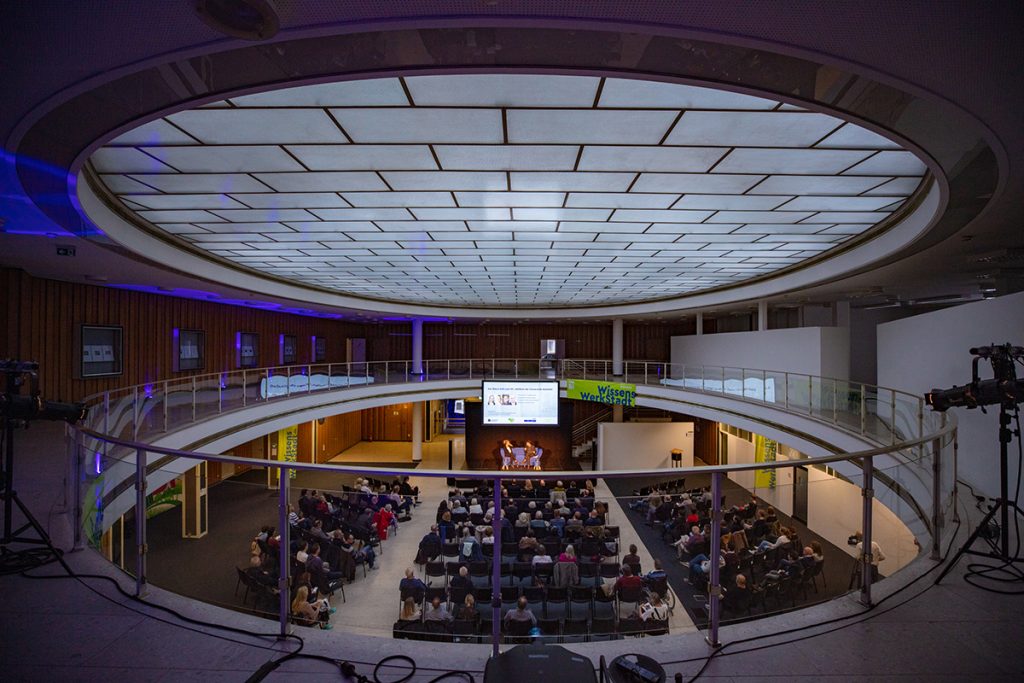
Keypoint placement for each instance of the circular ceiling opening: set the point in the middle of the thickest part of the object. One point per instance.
(508, 190)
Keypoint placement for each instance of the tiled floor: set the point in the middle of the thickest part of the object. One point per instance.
(62, 630)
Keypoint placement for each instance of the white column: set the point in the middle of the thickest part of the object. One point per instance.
(762, 315)
(417, 431)
(700, 322)
(617, 347)
(417, 346)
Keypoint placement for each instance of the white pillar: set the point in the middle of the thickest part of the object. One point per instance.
(417, 346)
(700, 322)
(762, 315)
(417, 431)
(617, 347)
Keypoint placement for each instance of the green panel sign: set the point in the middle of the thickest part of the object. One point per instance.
(613, 393)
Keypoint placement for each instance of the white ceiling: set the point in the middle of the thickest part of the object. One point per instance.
(509, 190)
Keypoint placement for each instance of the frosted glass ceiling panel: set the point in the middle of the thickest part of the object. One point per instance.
(853, 136)
(362, 157)
(749, 160)
(503, 90)
(695, 182)
(399, 198)
(758, 129)
(822, 203)
(126, 160)
(554, 181)
(186, 201)
(901, 187)
(814, 185)
(649, 158)
(510, 198)
(621, 92)
(158, 132)
(507, 157)
(319, 181)
(588, 126)
(727, 201)
(294, 200)
(371, 92)
(225, 159)
(429, 203)
(224, 183)
(446, 180)
(889, 163)
(421, 125)
(241, 126)
(621, 200)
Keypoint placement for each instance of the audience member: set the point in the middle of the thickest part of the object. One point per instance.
(521, 613)
(437, 611)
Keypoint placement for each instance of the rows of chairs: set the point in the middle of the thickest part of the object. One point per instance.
(551, 630)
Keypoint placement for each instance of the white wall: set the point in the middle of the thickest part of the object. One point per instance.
(931, 351)
(638, 445)
(834, 506)
(823, 351)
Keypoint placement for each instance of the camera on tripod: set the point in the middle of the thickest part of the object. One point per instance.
(1004, 388)
(15, 406)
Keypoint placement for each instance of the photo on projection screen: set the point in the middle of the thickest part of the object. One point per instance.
(520, 403)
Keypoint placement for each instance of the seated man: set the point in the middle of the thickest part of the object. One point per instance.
(360, 553)
(437, 611)
(411, 586)
(469, 548)
(520, 613)
(461, 580)
(700, 568)
(736, 597)
(538, 524)
(689, 543)
(627, 581)
(657, 574)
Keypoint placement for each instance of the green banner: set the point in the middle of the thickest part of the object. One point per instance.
(613, 393)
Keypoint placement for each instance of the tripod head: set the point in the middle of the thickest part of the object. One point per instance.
(24, 408)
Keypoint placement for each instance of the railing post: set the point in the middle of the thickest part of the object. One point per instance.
(835, 401)
(743, 382)
(937, 521)
(167, 399)
(193, 398)
(283, 582)
(135, 413)
(77, 476)
(866, 558)
(920, 427)
(288, 381)
(387, 372)
(220, 394)
(515, 365)
(863, 408)
(407, 370)
(956, 470)
(245, 387)
(785, 378)
(714, 573)
(810, 395)
(496, 571)
(493, 374)
(140, 522)
(645, 372)
(106, 417)
(892, 425)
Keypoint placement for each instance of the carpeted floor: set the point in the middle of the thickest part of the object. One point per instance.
(836, 574)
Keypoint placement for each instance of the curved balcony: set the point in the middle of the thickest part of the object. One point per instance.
(878, 442)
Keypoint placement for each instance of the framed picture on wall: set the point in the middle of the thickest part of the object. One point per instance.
(247, 345)
(99, 351)
(319, 349)
(289, 349)
(189, 350)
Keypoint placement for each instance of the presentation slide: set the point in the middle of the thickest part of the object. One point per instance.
(520, 403)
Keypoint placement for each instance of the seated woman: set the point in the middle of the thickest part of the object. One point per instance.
(531, 455)
(780, 540)
(654, 608)
(467, 610)
(506, 454)
(311, 613)
(410, 610)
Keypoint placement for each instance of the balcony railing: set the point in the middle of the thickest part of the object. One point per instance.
(911, 471)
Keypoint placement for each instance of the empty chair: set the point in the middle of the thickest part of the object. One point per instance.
(435, 592)
(603, 628)
(450, 551)
(522, 572)
(604, 605)
(457, 596)
(581, 602)
(574, 631)
(588, 574)
(551, 629)
(609, 571)
(509, 552)
(534, 599)
(517, 631)
(480, 575)
(544, 571)
(629, 598)
(463, 630)
(556, 604)
(435, 570)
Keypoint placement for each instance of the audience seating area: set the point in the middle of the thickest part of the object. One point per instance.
(764, 565)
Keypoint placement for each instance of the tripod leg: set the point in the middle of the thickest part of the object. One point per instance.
(970, 540)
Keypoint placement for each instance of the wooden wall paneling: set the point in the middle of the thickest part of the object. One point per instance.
(305, 453)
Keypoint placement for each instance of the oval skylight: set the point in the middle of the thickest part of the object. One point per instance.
(508, 190)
